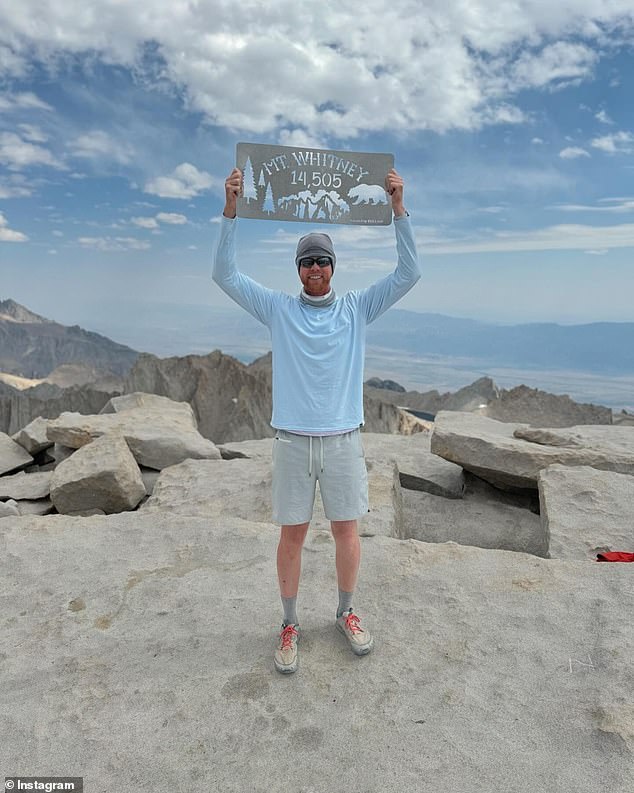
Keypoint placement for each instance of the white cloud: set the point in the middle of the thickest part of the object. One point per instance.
(17, 153)
(600, 252)
(573, 153)
(98, 144)
(619, 142)
(113, 244)
(185, 181)
(603, 117)
(32, 133)
(15, 186)
(560, 237)
(455, 65)
(536, 141)
(9, 235)
(145, 223)
(171, 218)
(623, 205)
(299, 137)
(23, 101)
(561, 61)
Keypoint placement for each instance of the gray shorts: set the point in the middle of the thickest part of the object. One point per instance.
(336, 461)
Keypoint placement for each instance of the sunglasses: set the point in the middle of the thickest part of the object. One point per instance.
(308, 261)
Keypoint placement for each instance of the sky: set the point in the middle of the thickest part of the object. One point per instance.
(512, 124)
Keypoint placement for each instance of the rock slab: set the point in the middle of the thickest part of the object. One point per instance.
(25, 486)
(512, 455)
(101, 475)
(585, 511)
(154, 636)
(156, 438)
(12, 455)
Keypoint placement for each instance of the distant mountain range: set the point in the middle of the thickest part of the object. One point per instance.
(602, 348)
(32, 346)
(599, 347)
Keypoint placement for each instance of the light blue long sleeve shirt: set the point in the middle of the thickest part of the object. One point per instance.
(318, 352)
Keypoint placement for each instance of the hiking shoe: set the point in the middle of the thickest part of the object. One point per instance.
(360, 640)
(286, 658)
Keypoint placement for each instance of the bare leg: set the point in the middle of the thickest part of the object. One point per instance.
(348, 553)
(289, 558)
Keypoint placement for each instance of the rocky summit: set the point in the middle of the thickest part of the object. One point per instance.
(141, 609)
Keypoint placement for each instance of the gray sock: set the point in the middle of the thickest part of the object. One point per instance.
(290, 610)
(345, 602)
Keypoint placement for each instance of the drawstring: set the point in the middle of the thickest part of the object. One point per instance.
(310, 454)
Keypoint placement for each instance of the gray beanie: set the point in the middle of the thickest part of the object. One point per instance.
(315, 244)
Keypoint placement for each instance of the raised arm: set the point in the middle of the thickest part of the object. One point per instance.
(384, 293)
(247, 293)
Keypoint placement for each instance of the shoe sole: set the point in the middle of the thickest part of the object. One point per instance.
(362, 649)
(286, 670)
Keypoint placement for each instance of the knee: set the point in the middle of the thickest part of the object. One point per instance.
(292, 537)
(344, 529)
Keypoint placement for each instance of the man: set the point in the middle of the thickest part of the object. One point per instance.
(318, 342)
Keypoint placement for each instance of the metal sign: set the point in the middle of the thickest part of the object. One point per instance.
(314, 185)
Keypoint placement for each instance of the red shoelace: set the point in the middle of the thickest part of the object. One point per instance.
(352, 623)
(287, 636)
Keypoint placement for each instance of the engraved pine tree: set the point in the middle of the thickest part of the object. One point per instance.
(269, 204)
(250, 190)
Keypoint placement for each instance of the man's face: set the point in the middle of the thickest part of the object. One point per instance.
(316, 279)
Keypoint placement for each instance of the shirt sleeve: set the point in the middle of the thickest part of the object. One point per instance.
(247, 293)
(376, 299)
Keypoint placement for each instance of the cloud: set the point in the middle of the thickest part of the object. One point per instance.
(171, 218)
(573, 153)
(559, 237)
(9, 235)
(145, 223)
(551, 66)
(603, 117)
(456, 66)
(15, 186)
(185, 181)
(17, 153)
(97, 145)
(619, 142)
(32, 133)
(623, 205)
(113, 244)
(23, 101)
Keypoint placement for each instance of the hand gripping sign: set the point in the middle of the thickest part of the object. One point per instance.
(313, 185)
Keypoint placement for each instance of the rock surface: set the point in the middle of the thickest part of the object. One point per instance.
(418, 468)
(101, 475)
(12, 455)
(157, 439)
(486, 518)
(25, 486)
(512, 455)
(153, 636)
(9, 509)
(520, 404)
(585, 511)
(242, 488)
(33, 437)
